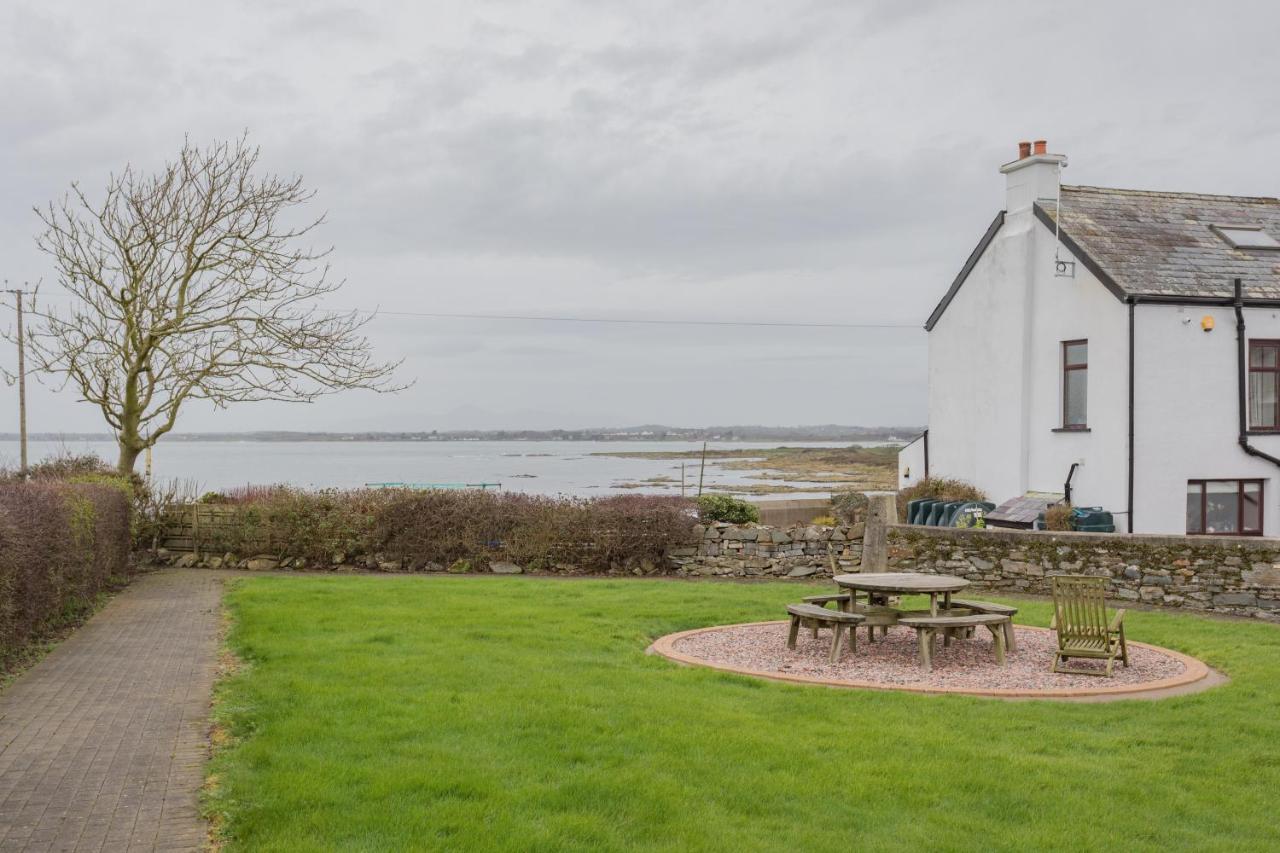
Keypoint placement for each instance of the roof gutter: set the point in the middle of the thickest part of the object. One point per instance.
(1241, 374)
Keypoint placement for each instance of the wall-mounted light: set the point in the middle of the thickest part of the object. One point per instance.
(1206, 322)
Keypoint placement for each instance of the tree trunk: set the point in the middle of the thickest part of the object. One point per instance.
(128, 458)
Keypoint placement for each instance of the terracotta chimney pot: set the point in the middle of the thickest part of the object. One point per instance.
(1041, 145)
(1024, 150)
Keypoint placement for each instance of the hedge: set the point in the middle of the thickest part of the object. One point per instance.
(435, 529)
(60, 545)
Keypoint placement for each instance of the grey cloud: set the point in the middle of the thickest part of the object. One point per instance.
(812, 160)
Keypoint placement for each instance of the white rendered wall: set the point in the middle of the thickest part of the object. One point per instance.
(1186, 409)
(1078, 308)
(911, 463)
(975, 371)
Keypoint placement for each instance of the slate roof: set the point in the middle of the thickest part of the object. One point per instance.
(1160, 243)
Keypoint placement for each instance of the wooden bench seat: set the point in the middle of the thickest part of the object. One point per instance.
(841, 600)
(927, 627)
(991, 607)
(815, 615)
(874, 609)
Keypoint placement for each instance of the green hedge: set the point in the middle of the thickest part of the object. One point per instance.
(439, 528)
(61, 543)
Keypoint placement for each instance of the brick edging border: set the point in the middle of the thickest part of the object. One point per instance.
(1195, 671)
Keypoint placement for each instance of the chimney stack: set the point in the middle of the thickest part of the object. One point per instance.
(1032, 177)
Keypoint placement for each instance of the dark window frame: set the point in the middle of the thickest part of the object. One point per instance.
(1275, 378)
(1240, 484)
(1067, 368)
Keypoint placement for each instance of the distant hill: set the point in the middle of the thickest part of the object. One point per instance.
(646, 432)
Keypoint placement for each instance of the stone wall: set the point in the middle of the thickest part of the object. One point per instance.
(1236, 575)
(752, 550)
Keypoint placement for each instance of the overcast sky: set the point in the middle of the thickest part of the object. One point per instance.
(780, 162)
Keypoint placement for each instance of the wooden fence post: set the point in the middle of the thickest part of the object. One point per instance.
(882, 510)
(195, 530)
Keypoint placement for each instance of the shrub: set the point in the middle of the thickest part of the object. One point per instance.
(535, 531)
(727, 508)
(1058, 517)
(849, 507)
(60, 545)
(444, 528)
(67, 465)
(938, 489)
(313, 525)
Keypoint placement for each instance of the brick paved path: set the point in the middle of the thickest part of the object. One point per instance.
(102, 742)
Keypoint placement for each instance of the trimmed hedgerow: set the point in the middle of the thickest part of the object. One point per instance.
(312, 525)
(436, 529)
(60, 545)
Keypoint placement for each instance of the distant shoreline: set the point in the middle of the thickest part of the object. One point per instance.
(736, 434)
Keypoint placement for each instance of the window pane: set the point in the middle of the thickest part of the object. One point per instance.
(1253, 507)
(1264, 407)
(1074, 399)
(1074, 354)
(1263, 355)
(1194, 499)
(1243, 238)
(1222, 506)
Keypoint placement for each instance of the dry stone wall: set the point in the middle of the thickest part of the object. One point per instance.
(1210, 573)
(752, 550)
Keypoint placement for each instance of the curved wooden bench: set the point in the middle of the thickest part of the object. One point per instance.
(926, 627)
(815, 615)
(991, 607)
(874, 609)
(841, 600)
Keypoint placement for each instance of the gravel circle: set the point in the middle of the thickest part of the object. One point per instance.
(892, 661)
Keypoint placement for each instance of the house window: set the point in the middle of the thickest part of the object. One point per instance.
(1224, 507)
(1075, 383)
(1264, 385)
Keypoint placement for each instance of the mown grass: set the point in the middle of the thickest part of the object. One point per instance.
(523, 714)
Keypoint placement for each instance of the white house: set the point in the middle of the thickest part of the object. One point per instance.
(1098, 336)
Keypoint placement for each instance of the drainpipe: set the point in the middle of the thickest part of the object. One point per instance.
(1241, 373)
(926, 454)
(1132, 306)
(1066, 487)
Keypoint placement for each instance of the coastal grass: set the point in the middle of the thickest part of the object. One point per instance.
(374, 713)
(863, 467)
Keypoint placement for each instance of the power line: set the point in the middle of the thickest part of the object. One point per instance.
(641, 321)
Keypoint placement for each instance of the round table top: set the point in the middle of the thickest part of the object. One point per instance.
(906, 582)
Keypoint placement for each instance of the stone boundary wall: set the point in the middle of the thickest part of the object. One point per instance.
(752, 550)
(718, 550)
(1237, 575)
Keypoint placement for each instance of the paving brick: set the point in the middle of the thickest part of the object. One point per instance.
(102, 742)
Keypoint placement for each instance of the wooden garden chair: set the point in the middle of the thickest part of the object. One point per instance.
(1083, 629)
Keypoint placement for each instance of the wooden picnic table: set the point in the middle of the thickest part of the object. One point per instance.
(905, 583)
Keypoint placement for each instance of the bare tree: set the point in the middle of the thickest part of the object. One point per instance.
(191, 284)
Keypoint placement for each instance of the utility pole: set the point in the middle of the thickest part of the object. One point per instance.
(703, 469)
(22, 388)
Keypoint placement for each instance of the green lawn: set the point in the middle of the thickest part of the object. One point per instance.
(397, 714)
